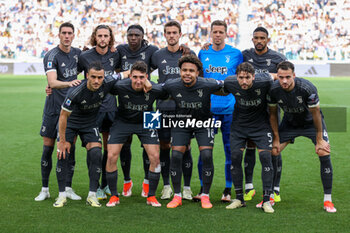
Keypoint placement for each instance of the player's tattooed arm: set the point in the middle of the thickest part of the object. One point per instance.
(54, 83)
(62, 145)
(322, 146)
(276, 147)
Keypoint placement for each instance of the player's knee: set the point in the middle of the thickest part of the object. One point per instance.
(236, 156)
(207, 156)
(176, 159)
(95, 155)
(321, 153)
(164, 145)
(265, 158)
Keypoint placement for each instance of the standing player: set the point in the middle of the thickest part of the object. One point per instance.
(250, 121)
(264, 60)
(219, 62)
(133, 101)
(166, 61)
(137, 49)
(103, 39)
(78, 117)
(192, 97)
(60, 65)
(299, 101)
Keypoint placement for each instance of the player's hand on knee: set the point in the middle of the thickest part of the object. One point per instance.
(276, 147)
(322, 148)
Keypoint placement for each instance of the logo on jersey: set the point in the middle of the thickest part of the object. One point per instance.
(111, 60)
(151, 120)
(124, 57)
(63, 65)
(101, 94)
(146, 96)
(68, 102)
(83, 102)
(216, 69)
(207, 59)
(227, 58)
(200, 92)
(300, 99)
(251, 60)
(280, 102)
(171, 70)
(126, 97)
(179, 95)
(268, 62)
(143, 55)
(76, 58)
(49, 64)
(164, 61)
(258, 91)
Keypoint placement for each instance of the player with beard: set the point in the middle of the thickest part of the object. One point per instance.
(166, 61)
(60, 65)
(264, 60)
(103, 39)
(298, 98)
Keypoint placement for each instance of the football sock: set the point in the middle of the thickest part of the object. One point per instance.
(228, 177)
(125, 160)
(153, 182)
(199, 166)
(237, 171)
(248, 187)
(239, 194)
(176, 170)
(112, 179)
(266, 170)
(62, 194)
(95, 157)
(145, 163)
(266, 195)
(327, 197)
(71, 166)
(278, 173)
(208, 169)
(326, 173)
(165, 164)
(46, 165)
(249, 164)
(187, 164)
(61, 172)
(103, 176)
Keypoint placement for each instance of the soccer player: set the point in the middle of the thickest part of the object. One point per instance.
(60, 65)
(250, 121)
(166, 61)
(133, 101)
(264, 60)
(103, 39)
(192, 97)
(78, 117)
(220, 61)
(300, 103)
(137, 49)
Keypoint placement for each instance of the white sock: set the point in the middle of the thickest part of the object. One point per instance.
(68, 189)
(167, 186)
(62, 194)
(327, 197)
(45, 189)
(178, 194)
(272, 195)
(205, 194)
(187, 187)
(92, 194)
(146, 181)
(276, 189)
(127, 181)
(249, 186)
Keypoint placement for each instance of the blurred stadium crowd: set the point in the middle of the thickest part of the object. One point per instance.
(301, 29)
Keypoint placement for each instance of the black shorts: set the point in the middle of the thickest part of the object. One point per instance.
(261, 136)
(49, 126)
(105, 121)
(288, 133)
(182, 136)
(121, 131)
(90, 134)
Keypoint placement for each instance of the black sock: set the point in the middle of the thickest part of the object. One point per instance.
(266, 195)
(112, 180)
(278, 173)
(153, 183)
(125, 161)
(61, 172)
(187, 164)
(275, 167)
(95, 158)
(249, 164)
(71, 166)
(165, 165)
(145, 163)
(208, 169)
(176, 170)
(326, 173)
(237, 171)
(46, 165)
(103, 176)
(266, 170)
(239, 194)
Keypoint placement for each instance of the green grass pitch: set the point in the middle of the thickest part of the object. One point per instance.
(22, 101)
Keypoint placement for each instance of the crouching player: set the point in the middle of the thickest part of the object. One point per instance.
(78, 117)
(133, 101)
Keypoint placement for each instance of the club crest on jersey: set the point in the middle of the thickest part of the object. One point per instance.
(101, 94)
(200, 92)
(258, 91)
(143, 55)
(300, 99)
(76, 58)
(146, 96)
(111, 60)
(268, 62)
(49, 64)
(227, 58)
